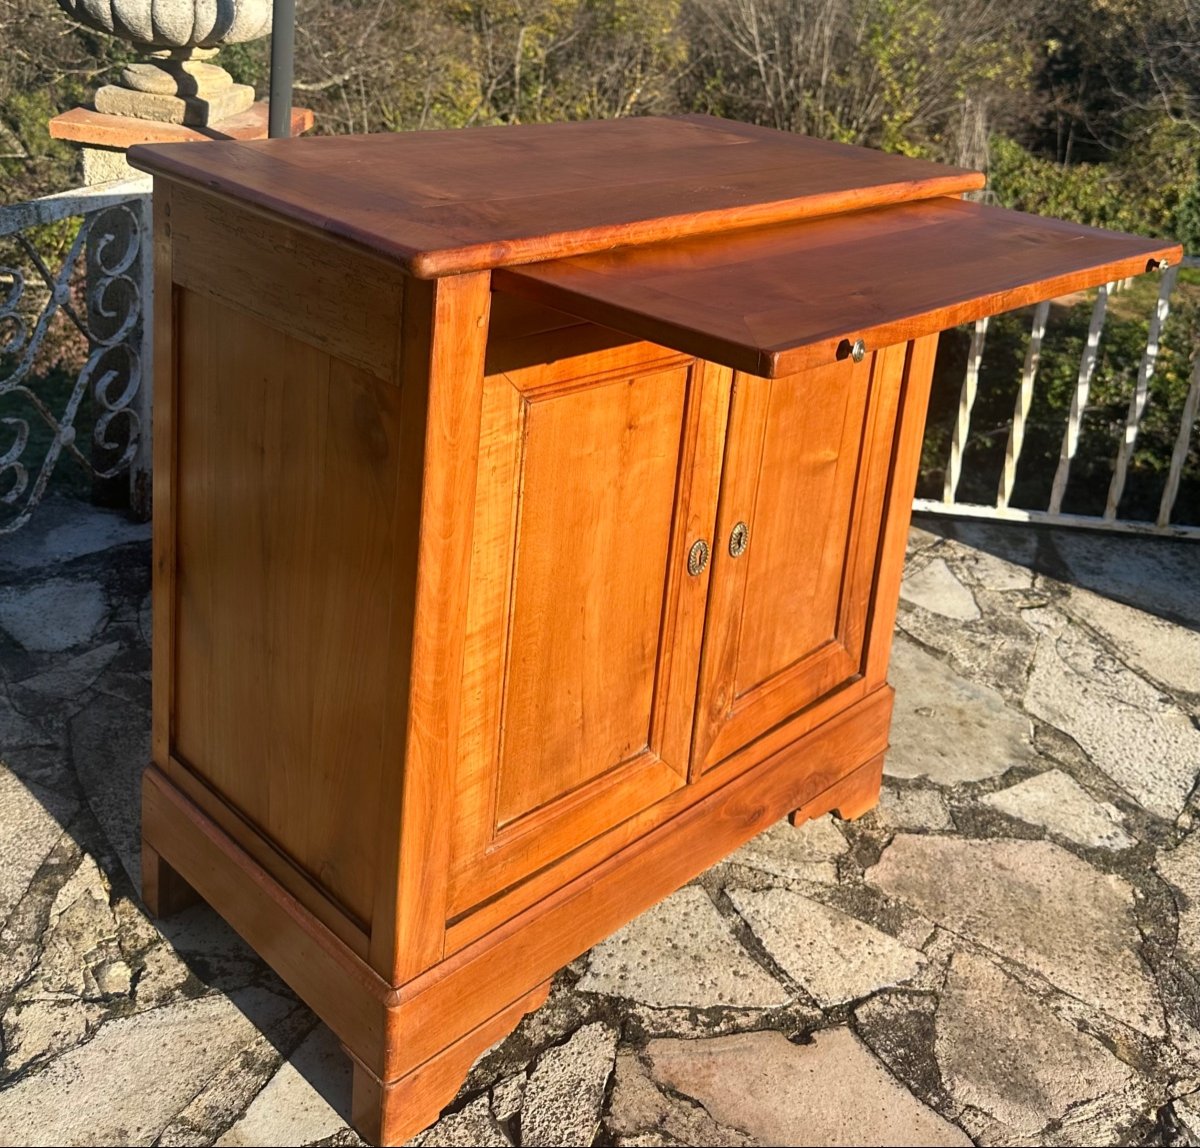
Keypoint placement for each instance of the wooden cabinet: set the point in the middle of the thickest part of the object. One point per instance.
(530, 509)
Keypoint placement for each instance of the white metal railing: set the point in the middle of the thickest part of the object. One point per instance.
(1053, 513)
(102, 286)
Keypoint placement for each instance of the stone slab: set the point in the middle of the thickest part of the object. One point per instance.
(1034, 903)
(921, 809)
(830, 1092)
(833, 956)
(1165, 651)
(1180, 867)
(1159, 576)
(306, 1100)
(990, 571)
(1003, 1053)
(934, 587)
(946, 728)
(807, 852)
(124, 1085)
(566, 1089)
(471, 1127)
(225, 1095)
(64, 529)
(71, 678)
(32, 819)
(682, 952)
(85, 126)
(1056, 801)
(53, 615)
(1142, 740)
(110, 747)
(639, 1113)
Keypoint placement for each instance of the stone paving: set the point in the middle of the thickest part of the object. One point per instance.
(1006, 951)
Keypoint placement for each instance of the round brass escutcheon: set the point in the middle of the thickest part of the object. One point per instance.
(697, 557)
(739, 539)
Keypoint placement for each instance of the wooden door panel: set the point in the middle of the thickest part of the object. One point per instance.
(594, 523)
(592, 474)
(793, 573)
(806, 470)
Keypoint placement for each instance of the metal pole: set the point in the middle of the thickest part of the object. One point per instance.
(283, 59)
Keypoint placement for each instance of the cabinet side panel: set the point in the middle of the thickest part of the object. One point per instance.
(287, 475)
(341, 301)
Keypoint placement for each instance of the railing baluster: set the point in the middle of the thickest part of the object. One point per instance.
(1191, 406)
(962, 425)
(1016, 434)
(1141, 392)
(1087, 365)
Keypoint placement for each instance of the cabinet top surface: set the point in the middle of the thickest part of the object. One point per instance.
(447, 202)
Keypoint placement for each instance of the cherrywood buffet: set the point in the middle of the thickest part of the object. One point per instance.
(530, 506)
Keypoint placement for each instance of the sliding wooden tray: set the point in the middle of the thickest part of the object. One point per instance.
(776, 300)
(529, 516)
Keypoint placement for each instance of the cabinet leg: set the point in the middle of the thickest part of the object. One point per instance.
(854, 795)
(394, 1111)
(163, 889)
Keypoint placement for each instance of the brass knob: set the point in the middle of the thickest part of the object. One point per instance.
(697, 557)
(739, 538)
(858, 351)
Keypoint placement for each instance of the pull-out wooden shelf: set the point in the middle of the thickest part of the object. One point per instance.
(776, 300)
(480, 627)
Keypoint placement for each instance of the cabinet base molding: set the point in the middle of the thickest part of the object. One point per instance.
(392, 1112)
(413, 1044)
(849, 798)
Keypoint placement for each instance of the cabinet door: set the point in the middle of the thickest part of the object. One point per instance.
(597, 472)
(805, 474)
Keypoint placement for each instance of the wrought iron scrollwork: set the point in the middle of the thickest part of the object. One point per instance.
(101, 269)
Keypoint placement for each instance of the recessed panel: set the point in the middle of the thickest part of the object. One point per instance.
(284, 505)
(597, 482)
(801, 520)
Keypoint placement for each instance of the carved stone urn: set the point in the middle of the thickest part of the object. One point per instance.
(177, 83)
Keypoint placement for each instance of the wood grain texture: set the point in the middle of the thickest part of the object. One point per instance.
(350, 302)
(164, 891)
(267, 854)
(593, 470)
(807, 466)
(774, 301)
(341, 989)
(437, 703)
(288, 464)
(856, 794)
(597, 479)
(484, 917)
(444, 336)
(442, 203)
(390, 1112)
